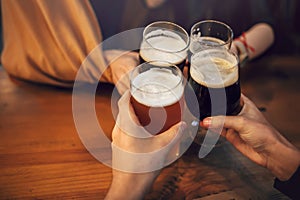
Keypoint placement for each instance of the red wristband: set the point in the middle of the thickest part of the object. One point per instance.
(243, 40)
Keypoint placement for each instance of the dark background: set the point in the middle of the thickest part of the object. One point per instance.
(285, 15)
(240, 15)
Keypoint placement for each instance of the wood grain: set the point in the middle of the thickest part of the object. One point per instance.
(42, 156)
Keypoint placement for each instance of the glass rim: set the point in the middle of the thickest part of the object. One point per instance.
(217, 22)
(170, 23)
(168, 65)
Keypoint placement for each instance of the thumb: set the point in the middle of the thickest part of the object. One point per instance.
(173, 134)
(124, 100)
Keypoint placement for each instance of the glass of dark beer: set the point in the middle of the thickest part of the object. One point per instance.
(166, 41)
(210, 34)
(156, 89)
(214, 76)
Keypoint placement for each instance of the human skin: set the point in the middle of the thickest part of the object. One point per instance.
(257, 139)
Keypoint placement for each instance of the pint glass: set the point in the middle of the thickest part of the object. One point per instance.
(157, 89)
(210, 34)
(214, 76)
(165, 41)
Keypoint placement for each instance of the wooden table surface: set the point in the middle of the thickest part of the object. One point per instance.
(42, 157)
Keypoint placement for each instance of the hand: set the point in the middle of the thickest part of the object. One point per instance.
(254, 42)
(137, 183)
(234, 48)
(252, 135)
(120, 64)
(240, 50)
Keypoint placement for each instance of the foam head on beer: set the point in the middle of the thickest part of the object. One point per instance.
(215, 68)
(157, 93)
(168, 43)
(214, 76)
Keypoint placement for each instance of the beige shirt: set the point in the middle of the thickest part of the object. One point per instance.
(47, 41)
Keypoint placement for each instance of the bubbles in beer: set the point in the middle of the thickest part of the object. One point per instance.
(214, 68)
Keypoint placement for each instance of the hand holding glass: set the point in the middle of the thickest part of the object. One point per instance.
(214, 76)
(157, 90)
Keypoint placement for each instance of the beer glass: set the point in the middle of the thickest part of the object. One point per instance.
(156, 89)
(214, 76)
(210, 34)
(165, 41)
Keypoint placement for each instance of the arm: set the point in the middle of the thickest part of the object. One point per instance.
(253, 136)
(254, 41)
(120, 63)
(129, 185)
(132, 176)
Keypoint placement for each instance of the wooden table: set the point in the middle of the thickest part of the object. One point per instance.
(42, 157)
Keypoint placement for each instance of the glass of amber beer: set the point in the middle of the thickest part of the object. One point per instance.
(214, 76)
(167, 41)
(156, 89)
(210, 34)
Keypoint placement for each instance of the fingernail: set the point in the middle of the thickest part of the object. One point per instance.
(207, 122)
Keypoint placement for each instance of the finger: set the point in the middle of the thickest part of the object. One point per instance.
(124, 100)
(224, 132)
(230, 122)
(135, 55)
(122, 84)
(247, 103)
(125, 104)
(242, 146)
(185, 72)
(234, 138)
(251, 111)
(174, 133)
(133, 115)
(127, 120)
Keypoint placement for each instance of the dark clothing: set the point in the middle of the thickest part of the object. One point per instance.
(290, 187)
(115, 16)
(239, 15)
(109, 15)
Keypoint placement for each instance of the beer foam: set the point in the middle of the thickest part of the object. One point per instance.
(155, 88)
(169, 47)
(215, 68)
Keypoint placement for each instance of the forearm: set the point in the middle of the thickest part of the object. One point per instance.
(260, 37)
(255, 41)
(120, 63)
(283, 159)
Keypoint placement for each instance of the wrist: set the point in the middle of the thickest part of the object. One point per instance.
(135, 178)
(283, 159)
(241, 51)
(245, 49)
(133, 185)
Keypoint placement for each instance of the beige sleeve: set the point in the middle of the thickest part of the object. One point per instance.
(47, 41)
